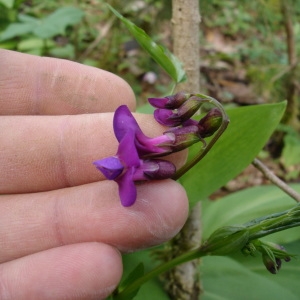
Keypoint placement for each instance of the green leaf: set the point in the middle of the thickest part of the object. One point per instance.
(16, 29)
(30, 43)
(57, 22)
(291, 150)
(7, 3)
(152, 289)
(223, 278)
(137, 272)
(161, 55)
(67, 51)
(249, 129)
(28, 19)
(48, 27)
(241, 207)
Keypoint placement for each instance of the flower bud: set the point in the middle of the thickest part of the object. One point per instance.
(209, 124)
(169, 102)
(167, 117)
(278, 251)
(154, 169)
(183, 137)
(249, 249)
(226, 240)
(184, 113)
(272, 255)
(272, 266)
(189, 108)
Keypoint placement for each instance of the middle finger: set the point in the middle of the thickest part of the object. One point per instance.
(35, 222)
(40, 153)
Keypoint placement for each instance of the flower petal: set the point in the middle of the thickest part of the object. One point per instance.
(111, 167)
(133, 142)
(127, 150)
(127, 189)
(167, 117)
(170, 102)
(154, 169)
(159, 102)
(124, 122)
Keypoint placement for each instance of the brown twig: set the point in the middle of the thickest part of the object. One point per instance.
(276, 180)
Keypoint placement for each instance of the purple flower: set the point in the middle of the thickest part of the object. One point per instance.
(129, 165)
(185, 137)
(124, 122)
(170, 102)
(183, 113)
(167, 117)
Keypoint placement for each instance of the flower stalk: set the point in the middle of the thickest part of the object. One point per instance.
(205, 149)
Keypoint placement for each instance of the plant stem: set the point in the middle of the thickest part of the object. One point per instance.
(191, 255)
(184, 280)
(276, 180)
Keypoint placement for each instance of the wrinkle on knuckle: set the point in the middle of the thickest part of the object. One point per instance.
(64, 151)
(57, 222)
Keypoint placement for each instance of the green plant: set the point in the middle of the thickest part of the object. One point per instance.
(249, 130)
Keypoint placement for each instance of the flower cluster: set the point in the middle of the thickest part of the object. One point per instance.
(272, 254)
(139, 157)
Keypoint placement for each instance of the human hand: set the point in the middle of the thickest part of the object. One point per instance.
(62, 226)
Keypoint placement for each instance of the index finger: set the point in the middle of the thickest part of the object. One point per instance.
(32, 85)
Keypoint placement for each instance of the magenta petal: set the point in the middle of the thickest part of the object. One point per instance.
(127, 189)
(159, 169)
(111, 167)
(150, 147)
(124, 122)
(127, 150)
(158, 102)
(166, 117)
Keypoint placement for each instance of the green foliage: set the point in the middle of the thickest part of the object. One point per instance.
(160, 54)
(240, 207)
(153, 289)
(290, 157)
(249, 129)
(291, 149)
(225, 278)
(7, 3)
(38, 32)
(137, 272)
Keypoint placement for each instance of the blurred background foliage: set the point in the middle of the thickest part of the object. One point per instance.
(248, 55)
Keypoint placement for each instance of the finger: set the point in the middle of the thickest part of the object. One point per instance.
(35, 85)
(42, 153)
(31, 223)
(80, 271)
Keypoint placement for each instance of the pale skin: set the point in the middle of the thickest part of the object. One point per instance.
(62, 227)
